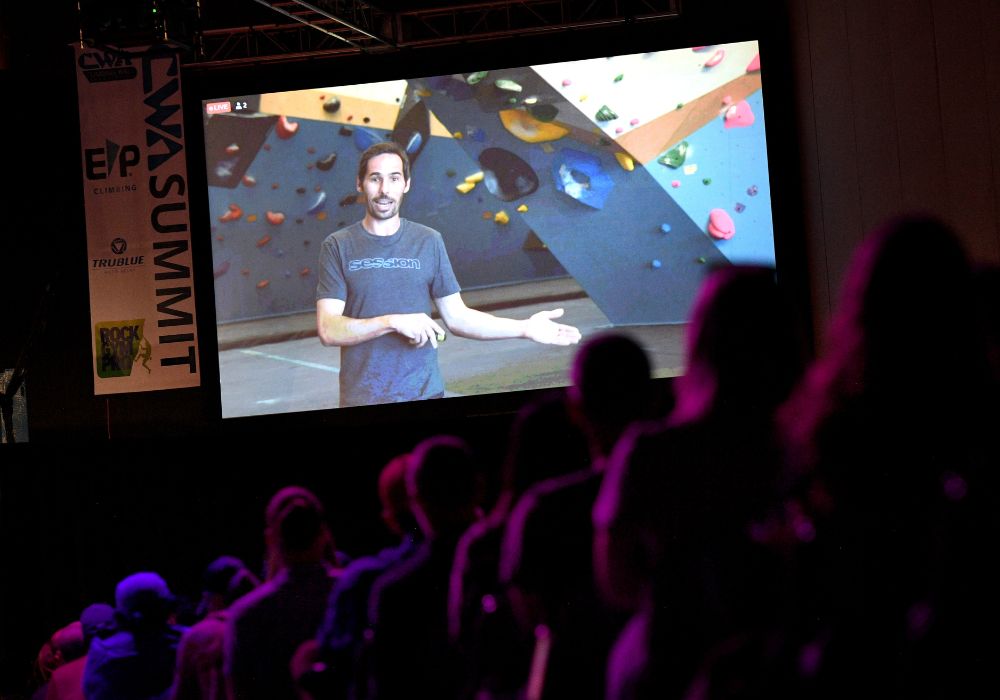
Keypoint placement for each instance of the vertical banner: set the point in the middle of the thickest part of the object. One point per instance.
(142, 306)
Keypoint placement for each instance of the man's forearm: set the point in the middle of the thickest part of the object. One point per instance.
(483, 326)
(344, 330)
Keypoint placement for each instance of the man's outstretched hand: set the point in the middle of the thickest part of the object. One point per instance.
(542, 329)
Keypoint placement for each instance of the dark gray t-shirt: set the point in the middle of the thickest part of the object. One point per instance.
(377, 275)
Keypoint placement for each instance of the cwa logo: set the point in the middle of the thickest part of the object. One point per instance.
(118, 246)
(119, 344)
(107, 65)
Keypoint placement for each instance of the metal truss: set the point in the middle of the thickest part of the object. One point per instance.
(325, 27)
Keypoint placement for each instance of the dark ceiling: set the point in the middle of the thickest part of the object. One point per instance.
(234, 30)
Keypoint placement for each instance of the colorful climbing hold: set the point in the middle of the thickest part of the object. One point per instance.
(675, 157)
(655, 263)
(675, 183)
(665, 228)
(716, 58)
(318, 204)
(477, 77)
(501, 218)
(625, 160)
(523, 208)
(465, 187)
(706, 181)
(285, 129)
(232, 149)
(543, 112)
(739, 207)
(739, 115)
(605, 114)
(232, 214)
(252, 218)
(752, 190)
(263, 241)
(249, 181)
(326, 163)
(331, 105)
(507, 175)
(528, 128)
(263, 284)
(721, 225)
(508, 85)
(475, 177)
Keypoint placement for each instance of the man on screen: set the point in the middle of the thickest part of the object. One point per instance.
(377, 281)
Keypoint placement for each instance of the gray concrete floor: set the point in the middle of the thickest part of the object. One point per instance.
(278, 365)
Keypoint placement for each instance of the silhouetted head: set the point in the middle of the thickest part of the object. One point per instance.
(611, 387)
(296, 529)
(909, 276)
(743, 353)
(143, 601)
(225, 579)
(443, 485)
(544, 442)
(97, 621)
(396, 512)
(904, 349)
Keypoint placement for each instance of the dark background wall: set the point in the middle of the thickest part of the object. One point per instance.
(893, 104)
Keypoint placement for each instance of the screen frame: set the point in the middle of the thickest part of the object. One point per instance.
(205, 82)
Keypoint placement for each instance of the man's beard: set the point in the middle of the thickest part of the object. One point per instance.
(383, 214)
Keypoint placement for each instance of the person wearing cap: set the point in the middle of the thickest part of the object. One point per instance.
(136, 662)
(96, 620)
(199, 657)
(266, 626)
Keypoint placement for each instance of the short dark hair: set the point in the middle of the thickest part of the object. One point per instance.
(380, 149)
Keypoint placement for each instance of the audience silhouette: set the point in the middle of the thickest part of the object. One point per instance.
(815, 531)
(199, 656)
(408, 649)
(138, 660)
(266, 626)
(674, 513)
